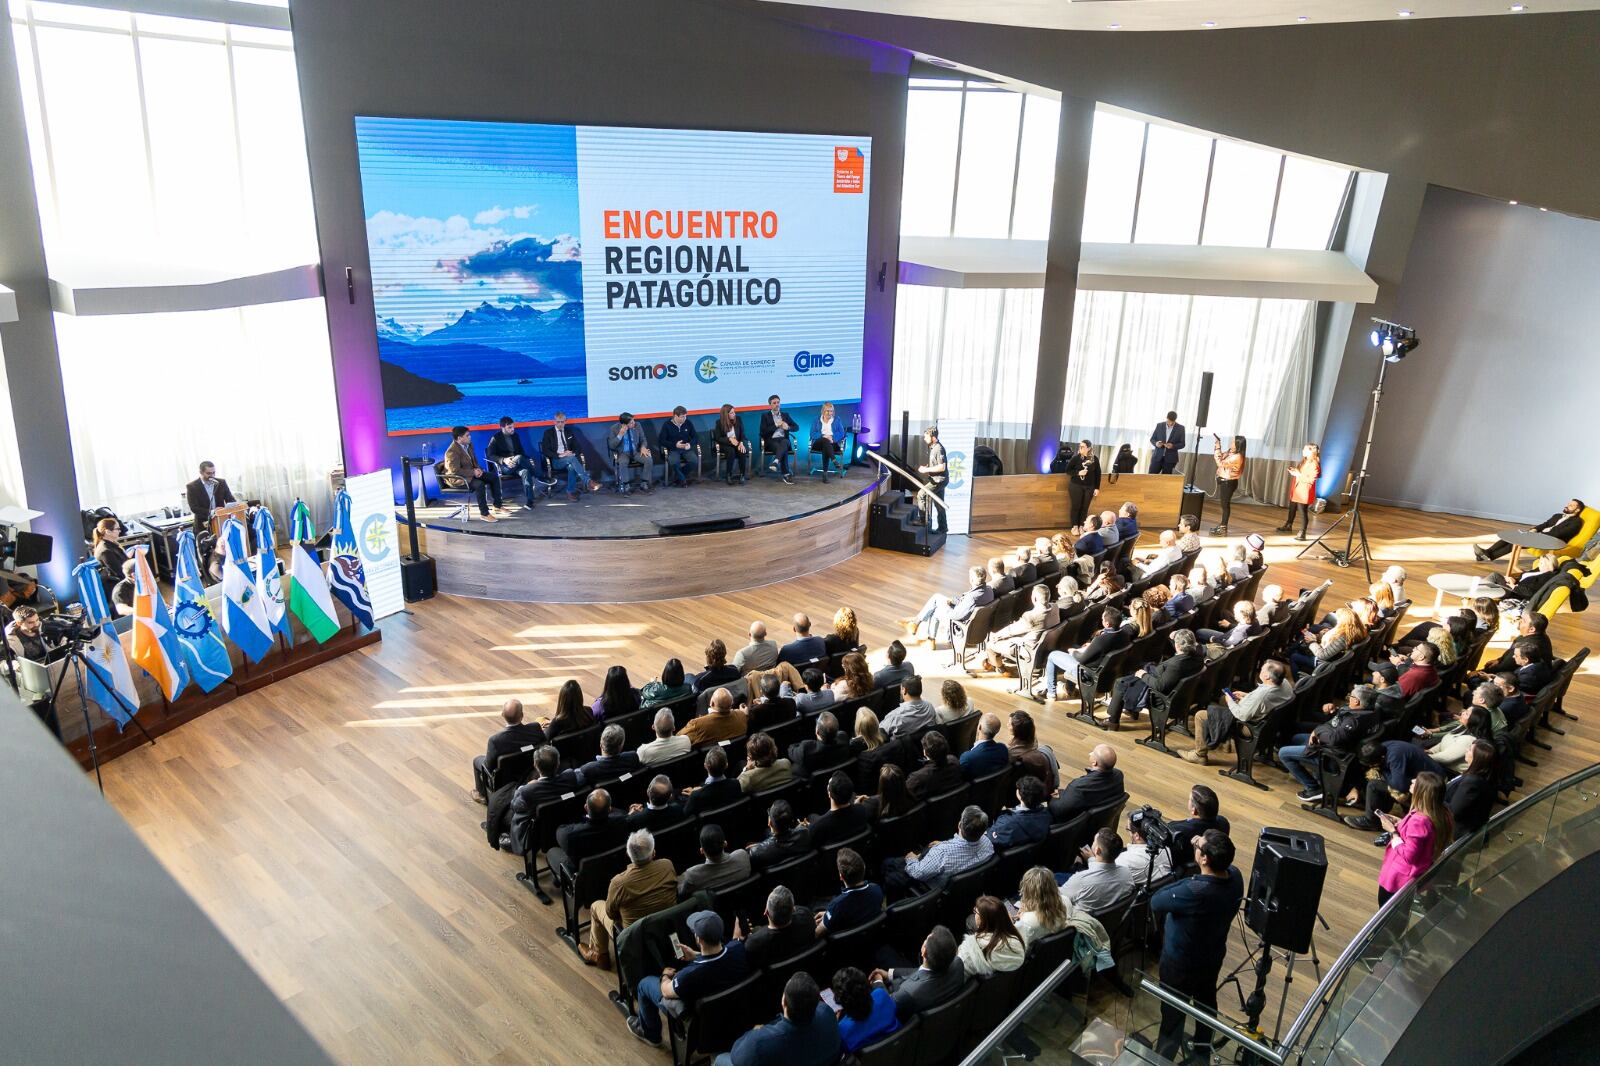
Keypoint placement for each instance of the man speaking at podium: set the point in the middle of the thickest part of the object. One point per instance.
(205, 494)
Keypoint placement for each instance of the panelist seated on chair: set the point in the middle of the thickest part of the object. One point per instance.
(1563, 525)
(205, 494)
(827, 439)
(506, 452)
(1132, 692)
(733, 451)
(462, 471)
(626, 446)
(1218, 723)
(560, 446)
(680, 448)
(776, 427)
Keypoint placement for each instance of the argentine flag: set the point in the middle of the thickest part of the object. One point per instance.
(243, 617)
(199, 636)
(308, 586)
(269, 574)
(347, 579)
(109, 680)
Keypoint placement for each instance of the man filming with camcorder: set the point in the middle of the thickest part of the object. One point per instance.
(28, 637)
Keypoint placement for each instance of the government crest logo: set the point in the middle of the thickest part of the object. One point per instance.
(192, 619)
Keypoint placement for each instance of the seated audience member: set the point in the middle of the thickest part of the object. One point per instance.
(1109, 533)
(1320, 649)
(866, 1013)
(939, 773)
(1201, 585)
(1103, 885)
(1563, 525)
(953, 705)
(786, 838)
(915, 874)
(770, 707)
(649, 885)
(854, 680)
(718, 789)
(1203, 815)
(1020, 567)
(666, 746)
(759, 654)
(1513, 704)
(720, 868)
(828, 750)
(666, 688)
(846, 635)
(1040, 909)
(718, 670)
(988, 754)
(1132, 691)
(1168, 555)
(1100, 784)
(1000, 582)
(1274, 608)
(1532, 673)
(914, 713)
(1395, 578)
(661, 806)
(571, 713)
(1391, 767)
(815, 696)
(790, 929)
(1343, 732)
(508, 741)
(994, 946)
(1028, 821)
(1090, 543)
(1188, 535)
(122, 592)
(1061, 548)
(1237, 565)
(859, 900)
(1219, 723)
(1069, 596)
(1531, 627)
(763, 768)
(1488, 697)
(844, 817)
(804, 648)
(1179, 601)
(1138, 857)
(1451, 745)
(805, 1033)
(613, 762)
(601, 830)
(1242, 629)
(1128, 521)
(550, 782)
(1470, 794)
(1417, 672)
(1199, 915)
(720, 722)
(715, 967)
(1107, 583)
(617, 696)
(1026, 751)
(937, 980)
(1111, 637)
(1017, 641)
(897, 670)
(892, 799)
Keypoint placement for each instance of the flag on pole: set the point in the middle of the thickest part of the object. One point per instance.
(347, 579)
(110, 680)
(199, 635)
(155, 644)
(309, 598)
(243, 618)
(269, 574)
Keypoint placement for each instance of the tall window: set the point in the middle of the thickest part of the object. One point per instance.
(167, 148)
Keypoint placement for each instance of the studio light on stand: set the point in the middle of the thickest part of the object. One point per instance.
(1394, 342)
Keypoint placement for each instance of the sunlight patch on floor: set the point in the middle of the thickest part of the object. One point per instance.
(593, 631)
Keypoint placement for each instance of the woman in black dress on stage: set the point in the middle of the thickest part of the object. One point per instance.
(1083, 481)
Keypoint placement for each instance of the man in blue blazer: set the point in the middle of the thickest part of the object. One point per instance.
(1166, 443)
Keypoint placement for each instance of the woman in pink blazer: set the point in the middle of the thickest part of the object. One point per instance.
(1417, 839)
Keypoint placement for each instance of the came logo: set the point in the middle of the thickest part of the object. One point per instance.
(956, 469)
(374, 539)
(705, 369)
(807, 361)
(644, 372)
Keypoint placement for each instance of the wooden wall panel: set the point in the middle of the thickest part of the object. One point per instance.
(1039, 501)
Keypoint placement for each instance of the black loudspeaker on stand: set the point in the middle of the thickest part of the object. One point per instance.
(1194, 500)
(418, 580)
(1286, 888)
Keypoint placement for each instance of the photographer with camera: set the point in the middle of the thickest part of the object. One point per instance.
(27, 638)
(1147, 856)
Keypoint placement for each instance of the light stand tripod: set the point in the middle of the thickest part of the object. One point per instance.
(1356, 528)
(73, 660)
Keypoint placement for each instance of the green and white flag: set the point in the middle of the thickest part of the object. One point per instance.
(309, 598)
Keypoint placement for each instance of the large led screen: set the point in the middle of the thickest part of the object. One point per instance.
(522, 269)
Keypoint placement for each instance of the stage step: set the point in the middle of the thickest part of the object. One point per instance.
(891, 526)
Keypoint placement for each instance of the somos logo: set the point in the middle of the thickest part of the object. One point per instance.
(644, 373)
(705, 369)
(805, 362)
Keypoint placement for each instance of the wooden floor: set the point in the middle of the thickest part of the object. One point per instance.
(325, 823)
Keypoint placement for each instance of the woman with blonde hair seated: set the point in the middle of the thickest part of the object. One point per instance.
(846, 635)
(1346, 633)
(1142, 617)
(869, 737)
(1040, 909)
(1382, 594)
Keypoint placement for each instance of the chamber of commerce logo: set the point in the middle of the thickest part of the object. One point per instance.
(645, 372)
(808, 361)
(374, 538)
(956, 469)
(705, 369)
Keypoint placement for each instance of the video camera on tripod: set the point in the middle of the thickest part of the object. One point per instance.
(1148, 823)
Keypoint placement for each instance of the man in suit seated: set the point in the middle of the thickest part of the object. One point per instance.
(648, 886)
(897, 670)
(661, 806)
(1563, 525)
(988, 754)
(940, 977)
(626, 445)
(721, 867)
(827, 751)
(679, 446)
(1000, 582)
(460, 470)
(550, 782)
(205, 494)
(613, 762)
(771, 707)
(516, 735)
(859, 900)
(1531, 626)
(718, 790)
(1132, 691)
(601, 830)
(775, 429)
(1100, 784)
(1166, 444)
(804, 648)
(1179, 601)
(1216, 725)
(1091, 542)
(933, 622)
(560, 448)
(790, 929)
(844, 817)
(786, 838)
(915, 874)
(939, 772)
(1128, 521)
(1028, 821)
(1532, 673)
(1391, 767)
(506, 452)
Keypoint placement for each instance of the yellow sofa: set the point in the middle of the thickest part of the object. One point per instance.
(1591, 526)
(1558, 598)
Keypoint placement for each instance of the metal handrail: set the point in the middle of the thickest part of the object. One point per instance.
(1199, 1014)
(1015, 1018)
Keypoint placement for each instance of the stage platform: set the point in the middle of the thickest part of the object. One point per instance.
(599, 549)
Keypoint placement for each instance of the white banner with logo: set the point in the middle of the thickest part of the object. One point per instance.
(372, 516)
(959, 440)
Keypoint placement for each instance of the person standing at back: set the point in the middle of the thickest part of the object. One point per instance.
(1199, 912)
(1166, 444)
(1083, 481)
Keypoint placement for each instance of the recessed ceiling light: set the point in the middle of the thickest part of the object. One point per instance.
(1303, 18)
(1517, 9)
(1115, 26)
(1513, 203)
(1404, 13)
(1208, 24)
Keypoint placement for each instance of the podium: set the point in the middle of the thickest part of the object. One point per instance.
(220, 516)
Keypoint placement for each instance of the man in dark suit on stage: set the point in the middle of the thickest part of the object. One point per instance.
(205, 494)
(1563, 525)
(560, 448)
(775, 429)
(1166, 442)
(679, 445)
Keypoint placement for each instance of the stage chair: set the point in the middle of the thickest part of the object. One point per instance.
(635, 463)
(813, 457)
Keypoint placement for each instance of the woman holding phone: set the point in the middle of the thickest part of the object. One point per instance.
(1418, 838)
(1230, 467)
(1303, 493)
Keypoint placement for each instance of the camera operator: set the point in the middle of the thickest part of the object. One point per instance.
(1199, 912)
(1150, 839)
(26, 638)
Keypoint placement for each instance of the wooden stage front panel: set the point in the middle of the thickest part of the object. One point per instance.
(1039, 501)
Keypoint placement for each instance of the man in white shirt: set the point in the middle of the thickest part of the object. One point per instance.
(1164, 558)
(759, 654)
(1136, 859)
(665, 747)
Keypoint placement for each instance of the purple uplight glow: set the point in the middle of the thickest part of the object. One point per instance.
(1047, 455)
(877, 368)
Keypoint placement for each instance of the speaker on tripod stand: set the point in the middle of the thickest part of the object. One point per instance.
(1194, 500)
(1286, 888)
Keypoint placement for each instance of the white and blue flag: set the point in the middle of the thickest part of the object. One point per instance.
(109, 679)
(269, 574)
(347, 579)
(244, 619)
(199, 635)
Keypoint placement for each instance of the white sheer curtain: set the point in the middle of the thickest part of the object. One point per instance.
(11, 494)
